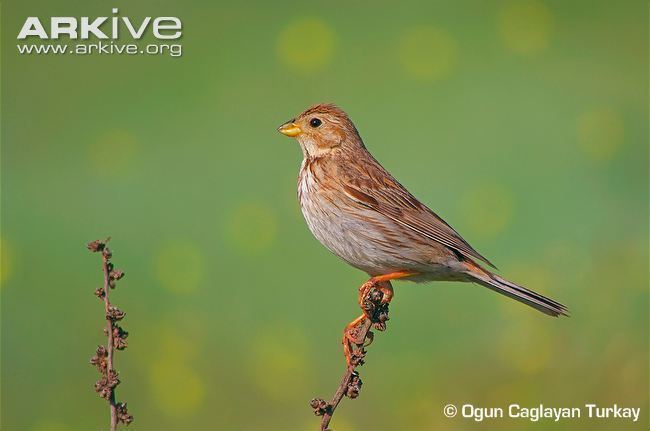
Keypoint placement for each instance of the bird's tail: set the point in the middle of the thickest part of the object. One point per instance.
(514, 291)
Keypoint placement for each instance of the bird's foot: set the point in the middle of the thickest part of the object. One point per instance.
(375, 304)
(374, 297)
(365, 292)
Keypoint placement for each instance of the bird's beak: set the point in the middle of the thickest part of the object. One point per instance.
(290, 129)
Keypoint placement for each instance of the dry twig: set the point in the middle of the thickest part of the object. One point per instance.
(103, 358)
(351, 382)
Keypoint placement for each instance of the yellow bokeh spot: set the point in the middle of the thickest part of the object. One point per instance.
(527, 346)
(50, 426)
(6, 261)
(279, 363)
(179, 266)
(251, 228)
(113, 154)
(487, 209)
(525, 26)
(427, 53)
(176, 388)
(600, 133)
(306, 44)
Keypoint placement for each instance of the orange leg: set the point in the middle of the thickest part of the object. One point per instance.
(385, 288)
(382, 283)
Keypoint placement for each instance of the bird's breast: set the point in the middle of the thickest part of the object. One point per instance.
(361, 237)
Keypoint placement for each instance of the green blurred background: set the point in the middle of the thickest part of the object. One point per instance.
(523, 123)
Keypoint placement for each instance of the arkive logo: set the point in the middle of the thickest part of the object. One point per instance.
(166, 27)
(101, 29)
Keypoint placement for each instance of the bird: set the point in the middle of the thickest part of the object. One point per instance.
(363, 215)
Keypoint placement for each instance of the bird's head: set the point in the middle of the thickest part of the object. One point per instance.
(322, 129)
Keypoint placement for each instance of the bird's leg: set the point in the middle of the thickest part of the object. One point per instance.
(385, 288)
(372, 310)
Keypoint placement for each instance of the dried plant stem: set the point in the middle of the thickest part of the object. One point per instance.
(116, 339)
(346, 380)
(350, 385)
(110, 344)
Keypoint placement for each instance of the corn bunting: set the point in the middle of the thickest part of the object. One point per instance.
(358, 211)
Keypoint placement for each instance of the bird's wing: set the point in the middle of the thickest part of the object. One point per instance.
(380, 192)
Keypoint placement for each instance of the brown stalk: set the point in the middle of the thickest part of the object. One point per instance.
(351, 382)
(116, 338)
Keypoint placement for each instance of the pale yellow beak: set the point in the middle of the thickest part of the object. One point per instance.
(290, 129)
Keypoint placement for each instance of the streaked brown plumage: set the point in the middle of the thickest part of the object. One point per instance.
(356, 209)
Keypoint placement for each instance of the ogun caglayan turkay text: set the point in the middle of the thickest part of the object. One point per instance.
(541, 412)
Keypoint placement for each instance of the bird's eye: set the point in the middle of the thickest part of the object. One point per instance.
(315, 122)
